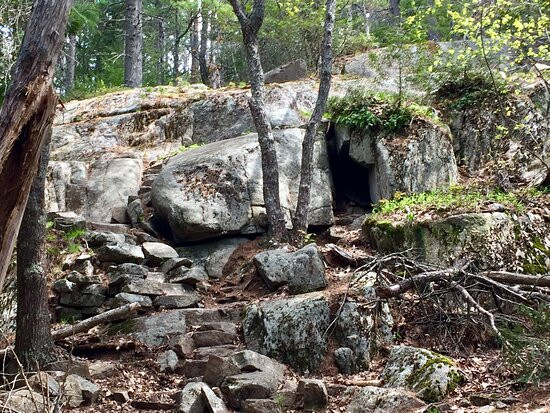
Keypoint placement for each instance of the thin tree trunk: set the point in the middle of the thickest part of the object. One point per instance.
(304, 194)
(133, 53)
(203, 49)
(33, 341)
(250, 26)
(176, 50)
(71, 64)
(27, 112)
(161, 45)
(195, 45)
(395, 8)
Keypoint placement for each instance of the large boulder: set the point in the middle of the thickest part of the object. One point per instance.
(221, 116)
(290, 330)
(485, 238)
(217, 189)
(303, 270)
(156, 330)
(521, 157)
(93, 189)
(256, 376)
(287, 73)
(430, 375)
(422, 159)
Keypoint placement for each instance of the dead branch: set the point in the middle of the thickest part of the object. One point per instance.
(120, 313)
(399, 288)
(471, 301)
(516, 278)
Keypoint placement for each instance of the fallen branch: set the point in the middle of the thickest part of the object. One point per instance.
(482, 279)
(399, 288)
(470, 300)
(516, 278)
(120, 313)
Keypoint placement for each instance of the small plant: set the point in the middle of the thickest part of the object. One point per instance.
(75, 233)
(455, 198)
(381, 112)
(180, 150)
(528, 345)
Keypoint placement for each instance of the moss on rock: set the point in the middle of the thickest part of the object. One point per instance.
(430, 375)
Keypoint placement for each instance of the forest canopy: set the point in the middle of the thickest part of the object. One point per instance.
(181, 35)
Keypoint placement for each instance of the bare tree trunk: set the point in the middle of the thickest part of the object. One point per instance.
(300, 221)
(133, 46)
(27, 112)
(203, 49)
(161, 46)
(195, 45)
(33, 341)
(71, 64)
(395, 8)
(176, 50)
(250, 26)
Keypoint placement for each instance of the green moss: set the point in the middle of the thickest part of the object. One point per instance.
(421, 379)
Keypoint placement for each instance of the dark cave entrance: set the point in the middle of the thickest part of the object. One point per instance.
(354, 183)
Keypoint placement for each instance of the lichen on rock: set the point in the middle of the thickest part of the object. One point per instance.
(430, 375)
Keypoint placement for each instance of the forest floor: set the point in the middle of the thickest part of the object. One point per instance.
(477, 356)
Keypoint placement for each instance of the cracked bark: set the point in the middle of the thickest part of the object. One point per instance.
(26, 114)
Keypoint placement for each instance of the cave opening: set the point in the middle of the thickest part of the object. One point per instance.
(354, 182)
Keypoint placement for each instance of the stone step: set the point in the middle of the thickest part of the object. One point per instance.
(213, 338)
(202, 353)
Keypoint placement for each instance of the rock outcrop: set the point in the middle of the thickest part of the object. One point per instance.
(302, 270)
(287, 73)
(417, 160)
(290, 330)
(216, 189)
(484, 237)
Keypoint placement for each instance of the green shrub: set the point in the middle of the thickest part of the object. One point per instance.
(378, 112)
(527, 349)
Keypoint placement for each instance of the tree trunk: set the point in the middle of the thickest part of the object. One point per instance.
(302, 208)
(250, 26)
(34, 345)
(71, 64)
(395, 8)
(203, 49)
(195, 45)
(176, 50)
(133, 53)
(161, 45)
(26, 114)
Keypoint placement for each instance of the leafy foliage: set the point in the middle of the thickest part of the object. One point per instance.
(378, 112)
(456, 198)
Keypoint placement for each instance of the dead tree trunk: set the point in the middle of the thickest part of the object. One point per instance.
(26, 114)
(71, 64)
(304, 194)
(133, 46)
(250, 26)
(33, 340)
